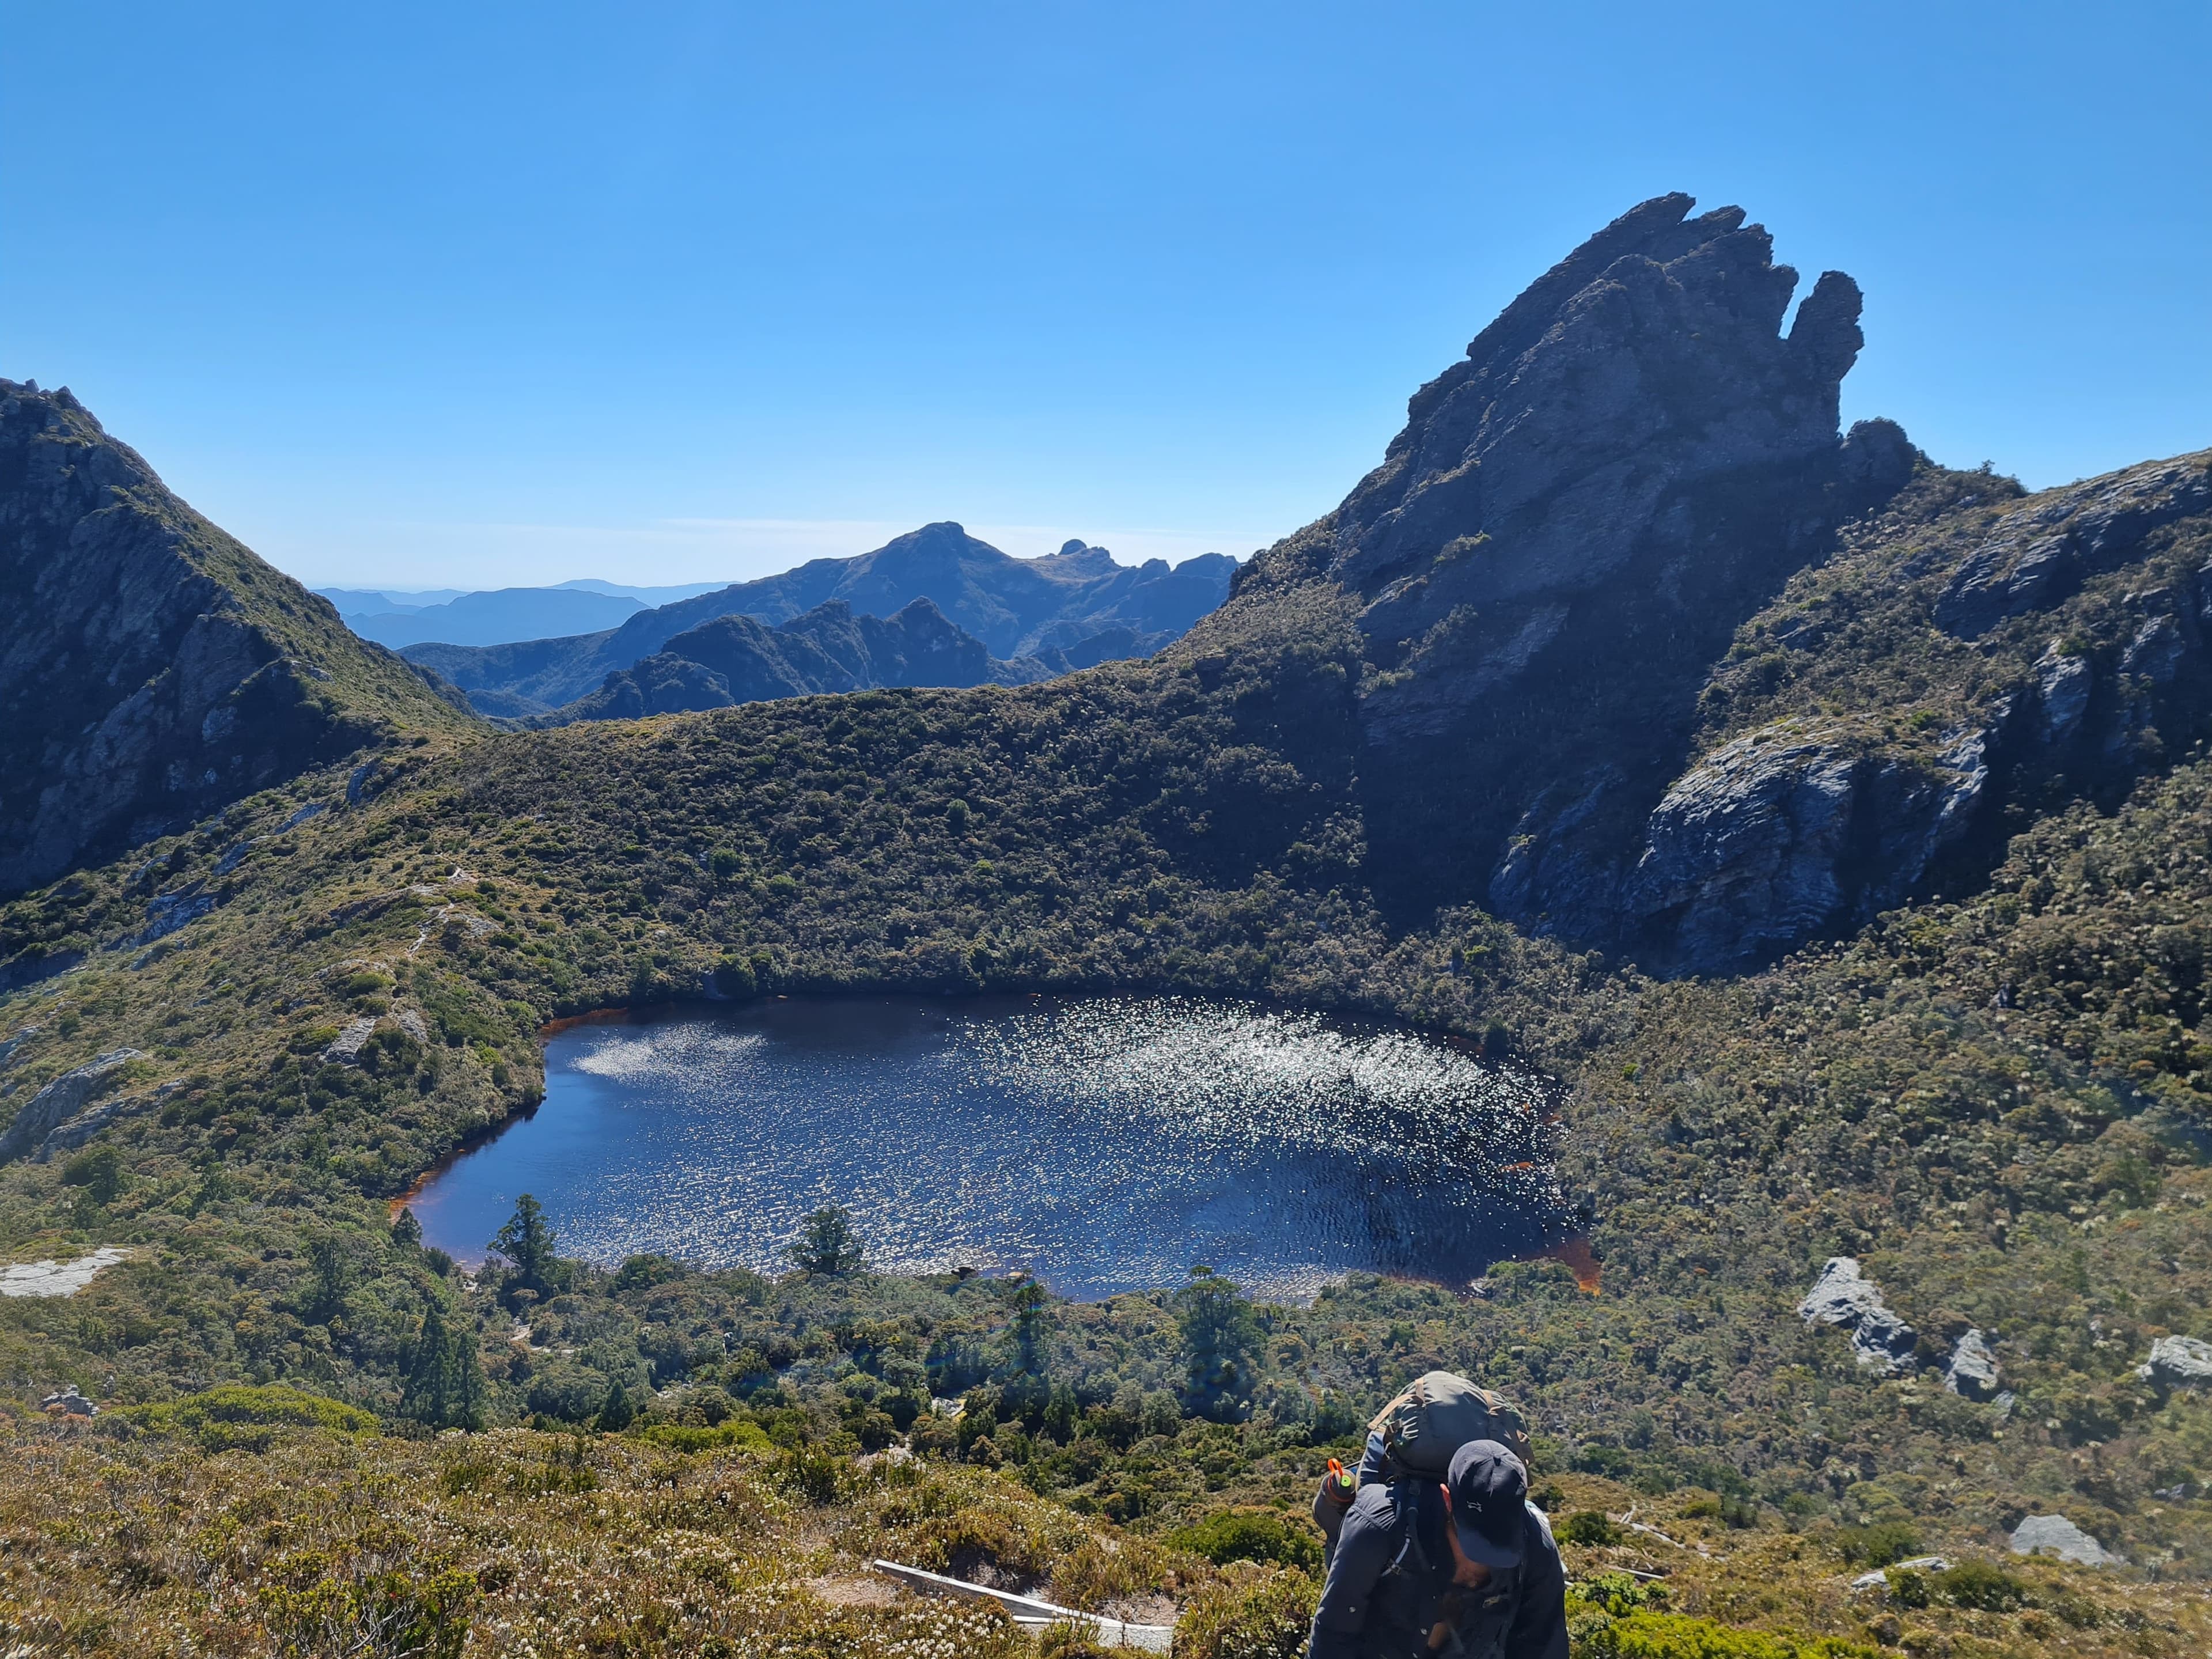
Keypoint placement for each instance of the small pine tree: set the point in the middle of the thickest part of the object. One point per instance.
(427, 1397)
(619, 1412)
(527, 1243)
(406, 1230)
(827, 1243)
(331, 1256)
(1028, 1303)
(468, 1396)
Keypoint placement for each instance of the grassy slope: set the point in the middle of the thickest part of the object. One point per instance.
(1188, 825)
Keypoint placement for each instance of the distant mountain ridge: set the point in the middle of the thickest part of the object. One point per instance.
(499, 615)
(494, 617)
(1078, 603)
(737, 659)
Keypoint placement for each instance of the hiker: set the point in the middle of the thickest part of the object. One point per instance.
(1464, 1568)
(1434, 1548)
(1416, 1434)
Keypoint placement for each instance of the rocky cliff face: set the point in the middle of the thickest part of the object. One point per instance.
(1658, 661)
(152, 669)
(1647, 362)
(1628, 464)
(2012, 654)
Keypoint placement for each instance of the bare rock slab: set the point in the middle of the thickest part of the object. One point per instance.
(2054, 1534)
(58, 1278)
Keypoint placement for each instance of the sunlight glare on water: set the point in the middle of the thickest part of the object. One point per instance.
(1102, 1144)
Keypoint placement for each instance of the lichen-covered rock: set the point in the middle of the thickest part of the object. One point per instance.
(1971, 1371)
(2054, 1534)
(2177, 1362)
(1844, 1297)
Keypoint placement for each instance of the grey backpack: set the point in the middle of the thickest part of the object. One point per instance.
(1441, 1412)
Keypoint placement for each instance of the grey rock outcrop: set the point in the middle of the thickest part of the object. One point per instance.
(2062, 685)
(52, 1278)
(1845, 1297)
(2177, 1362)
(153, 669)
(2054, 1534)
(1649, 357)
(345, 1048)
(1971, 1371)
(73, 1132)
(2033, 558)
(61, 1099)
(1786, 832)
(1629, 462)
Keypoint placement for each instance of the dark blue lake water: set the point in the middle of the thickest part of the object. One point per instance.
(1102, 1145)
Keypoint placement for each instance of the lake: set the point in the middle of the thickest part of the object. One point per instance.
(1101, 1144)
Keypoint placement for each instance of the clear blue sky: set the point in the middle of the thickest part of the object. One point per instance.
(489, 292)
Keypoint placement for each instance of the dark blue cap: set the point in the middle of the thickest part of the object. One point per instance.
(1489, 1488)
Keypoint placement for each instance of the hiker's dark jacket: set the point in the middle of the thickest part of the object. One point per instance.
(1390, 1584)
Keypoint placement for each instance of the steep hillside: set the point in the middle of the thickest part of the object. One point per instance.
(1077, 602)
(153, 670)
(733, 659)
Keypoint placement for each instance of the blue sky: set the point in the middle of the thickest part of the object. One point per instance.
(497, 293)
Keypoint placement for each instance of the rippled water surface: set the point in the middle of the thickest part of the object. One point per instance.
(1101, 1144)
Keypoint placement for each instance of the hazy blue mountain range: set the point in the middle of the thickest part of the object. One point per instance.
(498, 615)
(1074, 608)
(492, 618)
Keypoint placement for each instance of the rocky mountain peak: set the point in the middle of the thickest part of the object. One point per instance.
(1630, 461)
(154, 668)
(1649, 358)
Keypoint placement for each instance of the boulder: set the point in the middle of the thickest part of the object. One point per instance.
(345, 1048)
(2054, 1534)
(2177, 1362)
(1844, 1297)
(1971, 1371)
